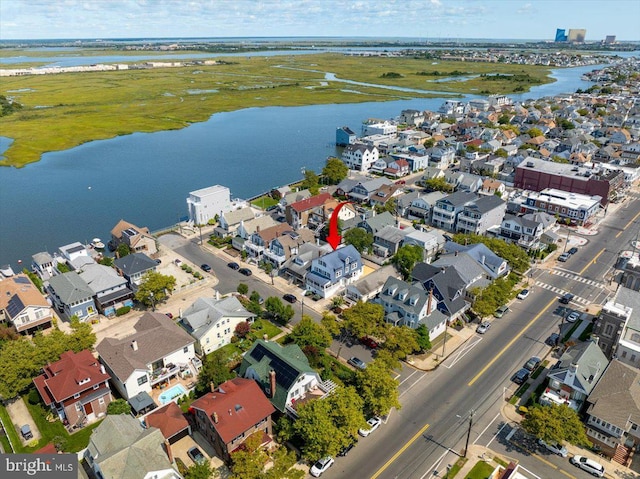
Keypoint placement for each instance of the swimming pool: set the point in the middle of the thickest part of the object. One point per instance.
(172, 393)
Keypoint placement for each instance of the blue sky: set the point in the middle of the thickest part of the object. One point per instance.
(528, 19)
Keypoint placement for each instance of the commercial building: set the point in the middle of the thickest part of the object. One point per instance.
(576, 35)
(575, 207)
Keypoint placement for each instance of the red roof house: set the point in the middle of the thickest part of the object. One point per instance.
(297, 213)
(171, 422)
(231, 413)
(76, 387)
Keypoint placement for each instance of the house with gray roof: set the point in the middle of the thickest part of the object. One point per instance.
(121, 448)
(133, 267)
(613, 422)
(387, 241)
(72, 296)
(410, 305)
(229, 222)
(295, 268)
(473, 275)
(493, 265)
(110, 289)
(43, 264)
(212, 322)
(524, 231)
(447, 285)
(575, 375)
(376, 222)
(283, 373)
(421, 206)
(333, 271)
(446, 210)
(481, 215)
(367, 287)
(363, 190)
(431, 242)
(155, 353)
(283, 247)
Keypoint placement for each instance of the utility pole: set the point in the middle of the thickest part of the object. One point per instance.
(466, 447)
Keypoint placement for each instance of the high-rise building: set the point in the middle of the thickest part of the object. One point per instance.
(577, 35)
(609, 39)
(561, 35)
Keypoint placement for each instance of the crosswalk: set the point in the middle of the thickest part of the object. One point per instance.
(561, 292)
(580, 279)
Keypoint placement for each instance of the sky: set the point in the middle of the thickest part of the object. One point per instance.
(449, 19)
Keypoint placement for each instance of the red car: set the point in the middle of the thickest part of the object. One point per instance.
(367, 341)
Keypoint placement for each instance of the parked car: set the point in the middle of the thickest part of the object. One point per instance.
(205, 267)
(483, 327)
(233, 265)
(321, 466)
(533, 363)
(523, 294)
(521, 376)
(553, 447)
(501, 311)
(370, 343)
(573, 250)
(373, 424)
(245, 271)
(564, 257)
(290, 298)
(196, 455)
(553, 339)
(357, 363)
(345, 450)
(573, 317)
(588, 465)
(169, 315)
(26, 431)
(567, 298)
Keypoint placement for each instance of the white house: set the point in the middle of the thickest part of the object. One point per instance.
(360, 157)
(206, 203)
(333, 271)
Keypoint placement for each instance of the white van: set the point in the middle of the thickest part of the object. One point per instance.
(588, 465)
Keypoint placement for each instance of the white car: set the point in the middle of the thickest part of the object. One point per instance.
(523, 294)
(558, 449)
(573, 317)
(321, 466)
(483, 327)
(373, 423)
(588, 465)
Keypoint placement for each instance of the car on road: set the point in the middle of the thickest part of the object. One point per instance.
(321, 465)
(564, 257)
(169, 315)
(345, 450)
(588, 465)
(205, 267)
(573, 250)
(290, 298)
(372, 424)
(245, 271)
(523, 294)
(370, 343)
(533, 363)
(501, 311)
(553, 339)
(554, 447)
(573, 317)
(357, 363)
(233, 265)
(483, 327)
(196, 455)
(521, 376)
(567, 298)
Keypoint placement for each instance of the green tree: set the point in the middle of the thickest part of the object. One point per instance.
(359, 238)
(335, 170)
(118, 406)
(201, 470)
(277, 310)
(438, 184)
(35, 279)
(378, 388)
(311, 182)
(502, 153)
(154, 288)
(406, 258)
(106, 261)
(533, 132)
(215, 369)
(400, 340)
(243, 288)
(309, 333)
(364, 319)
(248, 462)
(556, 423)
(424, 341)
(123, 250)
(512, 253)
(283, 462)
(63, 267)
(504, 119)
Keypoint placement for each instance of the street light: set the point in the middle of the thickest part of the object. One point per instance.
(466, 446)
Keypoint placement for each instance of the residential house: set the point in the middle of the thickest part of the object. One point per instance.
(575, 375)
(523, 231)
(110, 289)
(471, 273)
(410, 305)
(368, 287)
(23, 306)
(469, 183)
(417, 158)
(375, 223)
(613, 425)
(258, 243)
(155, 353)
(387, 241)
(441, 157)
(170, 420)
(76, 255)
(138, 239)
(447, 285)
(282, 248)
(481, 215)
(133, 267)
(75, 388)
(378, 127)
(491, 263)
(360, 157)
(362, 191)
(206, 204)
(229, 222)
(212, 322)
(298, 213)
(384, 194)
(248, 228)
(412, 117)
(122, 448)
(321, 215)
(421, 207)
(333, 271)
(431, 243)
(295, 268)
(44, 265)
(282, 372)
(446, 210)
(345, 136)
(228, 415)
(72, 296)
(492, 187)
(397, 168)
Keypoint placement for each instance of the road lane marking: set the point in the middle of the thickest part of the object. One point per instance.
(407, 378)
(488, 425)
(593, 261)
(400, 451)
(461, 352)
(510, 343)
(628, 224)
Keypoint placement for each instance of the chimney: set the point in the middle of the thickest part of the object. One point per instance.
(229, 411)
(212, 386)
(272, 382)
(134, 345)
(215, 417)
(167, 446)
(430, 300)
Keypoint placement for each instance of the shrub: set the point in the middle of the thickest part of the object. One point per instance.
(33, 397)
(122, 311)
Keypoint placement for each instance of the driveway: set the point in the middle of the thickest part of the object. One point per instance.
(19, 417)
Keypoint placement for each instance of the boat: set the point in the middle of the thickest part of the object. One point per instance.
(6, 271)
(97, 243)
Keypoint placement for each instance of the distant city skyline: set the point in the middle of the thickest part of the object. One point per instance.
(445, 19)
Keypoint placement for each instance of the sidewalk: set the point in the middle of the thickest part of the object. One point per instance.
(432, 359)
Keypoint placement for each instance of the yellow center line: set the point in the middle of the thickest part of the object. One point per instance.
(628, 224)
(484, 370)
(402, 449)
(591, 262)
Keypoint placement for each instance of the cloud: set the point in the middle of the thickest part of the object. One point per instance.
(526, 9)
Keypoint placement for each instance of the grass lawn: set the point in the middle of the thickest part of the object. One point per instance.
(481, 470)
(264, 202)
(586, 333)
(455, 469)
(570, 332)
(262, 326)
(11, 432)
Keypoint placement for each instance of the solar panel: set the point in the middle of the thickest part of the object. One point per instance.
(21, 280)
(15, 306)
(285, 373)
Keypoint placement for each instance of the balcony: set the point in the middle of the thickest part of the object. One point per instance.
(552, 397)
(163, 374)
